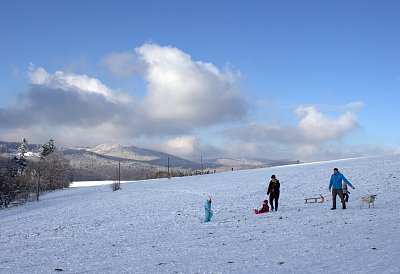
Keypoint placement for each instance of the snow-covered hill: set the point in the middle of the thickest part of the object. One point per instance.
(128, 152)
(156, 226)
(100, 162)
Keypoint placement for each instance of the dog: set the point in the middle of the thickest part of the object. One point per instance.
(367, 199)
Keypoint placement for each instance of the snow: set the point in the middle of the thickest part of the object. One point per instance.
(156, 226)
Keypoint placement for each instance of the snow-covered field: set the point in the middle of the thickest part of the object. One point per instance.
(156, 226)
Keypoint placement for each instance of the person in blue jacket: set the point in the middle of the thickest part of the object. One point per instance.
(336, 185)
(208, 213)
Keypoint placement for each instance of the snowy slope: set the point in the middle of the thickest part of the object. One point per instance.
(156, 226)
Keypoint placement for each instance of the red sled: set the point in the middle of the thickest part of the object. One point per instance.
(256, 211)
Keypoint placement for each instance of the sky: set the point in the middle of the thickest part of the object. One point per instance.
(308, 80)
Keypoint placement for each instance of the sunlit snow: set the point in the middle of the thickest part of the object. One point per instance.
(157, 226)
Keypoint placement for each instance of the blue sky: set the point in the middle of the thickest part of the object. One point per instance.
(305, 80)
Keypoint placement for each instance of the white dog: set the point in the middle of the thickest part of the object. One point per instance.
(367, 199)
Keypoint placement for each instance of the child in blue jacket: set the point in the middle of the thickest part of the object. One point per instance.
(208, 213)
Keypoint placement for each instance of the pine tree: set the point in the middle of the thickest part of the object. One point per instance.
(48, 148)
(21, 159)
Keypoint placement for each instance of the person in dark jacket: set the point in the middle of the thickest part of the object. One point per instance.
(346, 192)
(337, 188)
(273, 192)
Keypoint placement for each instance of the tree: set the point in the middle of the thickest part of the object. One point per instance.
(54, 173)
(21, 159)
(53, 167)
(48, 148)
(19, 175)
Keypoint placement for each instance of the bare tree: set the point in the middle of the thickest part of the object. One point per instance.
(53, 167)
(24, 175)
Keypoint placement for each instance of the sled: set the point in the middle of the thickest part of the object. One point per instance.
(257, 211)
(319, 199)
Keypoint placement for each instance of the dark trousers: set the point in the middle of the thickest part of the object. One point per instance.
(274, 196)
(340, 193)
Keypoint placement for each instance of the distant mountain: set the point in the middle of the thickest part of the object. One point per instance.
(249, 163)
(102, 162)
(151, 157)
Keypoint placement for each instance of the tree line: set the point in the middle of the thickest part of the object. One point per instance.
(33, 170)
(26, 175)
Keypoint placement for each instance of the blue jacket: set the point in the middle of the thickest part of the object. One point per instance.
(208, 213)
(336, 181)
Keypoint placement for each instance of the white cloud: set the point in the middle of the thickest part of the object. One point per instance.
(71, 81)
(38, 76)
(187, 91)
(306, 151)
(306, 140)
(183, 145)
(181, 90)
(182, 95)
(246, 149)
(315, 126)
(186, 146)
(312, 127)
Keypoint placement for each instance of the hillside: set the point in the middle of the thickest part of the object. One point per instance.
(156, 226)
(100, 162)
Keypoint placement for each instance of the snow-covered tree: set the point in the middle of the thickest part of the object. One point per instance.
(54, 167)
(48, 148)
(21, 159)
